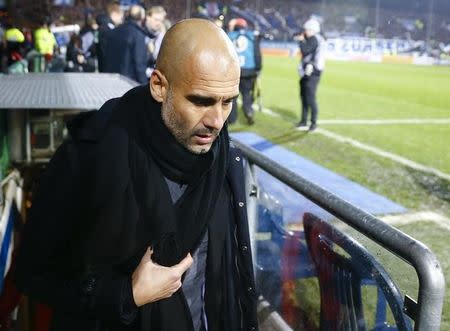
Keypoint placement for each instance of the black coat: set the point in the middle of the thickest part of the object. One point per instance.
(126, 52)
(48, 265)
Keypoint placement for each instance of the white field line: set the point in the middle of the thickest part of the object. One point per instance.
(375, 150)
(267, 111)
(408, 218)
(401, 219)
(368, 122)
(388, 155)
(389, 121)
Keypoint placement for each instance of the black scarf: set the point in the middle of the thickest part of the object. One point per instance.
(180, 228)
(130, 208)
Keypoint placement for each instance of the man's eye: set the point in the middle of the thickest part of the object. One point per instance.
(202, 102)
(228, 102)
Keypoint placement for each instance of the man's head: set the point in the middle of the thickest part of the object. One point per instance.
(237, 24)
(137, 13)
(311, 27)
(155, 18)
(115, 13)
(240, 24)
(196, 79)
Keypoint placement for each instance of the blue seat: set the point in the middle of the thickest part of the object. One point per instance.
(281, 255)
(343, 267)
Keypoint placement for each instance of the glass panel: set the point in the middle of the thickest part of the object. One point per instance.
(318, 272)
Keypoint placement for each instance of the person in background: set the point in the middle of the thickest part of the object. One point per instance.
(156, 28)
(74, 55)
(45, 45)
(44, 40)
(106, 23)
(14, 41)
(76, 61)
(2, 47)
(126, 52)
(247, 44)
(312, 48)
(89, 41)
(140, 221)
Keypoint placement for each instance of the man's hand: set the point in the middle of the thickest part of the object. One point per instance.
(80, 58)
(152, 282)
(309, 69)
(299, 37)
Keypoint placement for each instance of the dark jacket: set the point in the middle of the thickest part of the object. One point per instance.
(311, 49)
(105, 25)
(48, 267)
(126, 52)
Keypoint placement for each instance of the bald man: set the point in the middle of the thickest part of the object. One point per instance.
(140, 222)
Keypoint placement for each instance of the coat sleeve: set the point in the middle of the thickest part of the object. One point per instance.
(45, 269)
(308, 46)
(140, 58)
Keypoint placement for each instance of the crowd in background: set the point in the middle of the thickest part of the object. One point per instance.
(83, 50)
(55, 48)
(86, 38)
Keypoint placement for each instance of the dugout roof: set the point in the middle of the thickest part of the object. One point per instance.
(78, 91)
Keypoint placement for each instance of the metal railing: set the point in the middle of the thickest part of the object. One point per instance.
(428, 310)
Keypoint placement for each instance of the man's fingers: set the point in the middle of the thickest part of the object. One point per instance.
(148, 254)
(184, 264)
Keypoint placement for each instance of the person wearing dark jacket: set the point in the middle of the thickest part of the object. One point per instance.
(126, 50)
(312, 48)
(106, 23)
(140, 222)
(89, 41)
(75, 57)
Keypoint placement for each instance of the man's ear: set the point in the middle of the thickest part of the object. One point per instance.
(158, 85)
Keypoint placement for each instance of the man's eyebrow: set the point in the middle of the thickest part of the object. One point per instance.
(201, 99)
(232, 98)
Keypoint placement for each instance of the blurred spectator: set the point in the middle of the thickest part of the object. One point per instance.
(247, 44)
(126, 51)
(312, 47)
(2, 48)
(14, 43)
(44, 40)
(75, 57)
(154, 23)
(89, 40)
(45, 45)
(106, 23)
(210, 10)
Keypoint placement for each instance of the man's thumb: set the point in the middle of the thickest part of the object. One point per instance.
(185, 263)
(148, 254)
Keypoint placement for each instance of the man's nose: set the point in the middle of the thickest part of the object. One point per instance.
(214, 117)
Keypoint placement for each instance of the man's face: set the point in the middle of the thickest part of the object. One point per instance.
(198, 104)
(117, 17)
(155, 21)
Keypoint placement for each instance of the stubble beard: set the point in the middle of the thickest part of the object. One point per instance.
(175, 125)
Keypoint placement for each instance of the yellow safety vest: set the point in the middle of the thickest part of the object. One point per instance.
(14, 35)
(44, 41)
